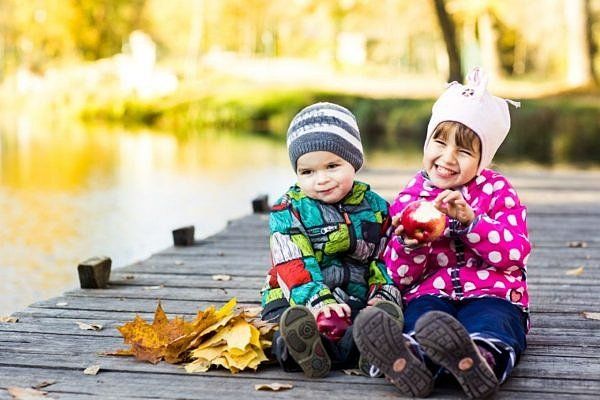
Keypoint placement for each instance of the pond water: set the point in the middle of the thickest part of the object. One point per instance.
(71, 192)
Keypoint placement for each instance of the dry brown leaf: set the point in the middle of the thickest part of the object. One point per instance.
(169, 340)
(575, 271)
(221, 277)
(27, 393)
(89, 327)
(9, 320)
(92, 370)
(577, 244)
(355, 371)
(43, 384)
(591, 315)
(275, 386)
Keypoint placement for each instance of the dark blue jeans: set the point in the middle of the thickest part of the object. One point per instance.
(492, 322)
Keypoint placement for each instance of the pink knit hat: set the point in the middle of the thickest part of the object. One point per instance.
(473, 106)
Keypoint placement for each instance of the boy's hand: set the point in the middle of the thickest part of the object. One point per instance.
(399, 229)
(453, 204)
(341, 310)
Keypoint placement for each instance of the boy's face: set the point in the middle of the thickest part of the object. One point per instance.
(448, 165)
(324, 176)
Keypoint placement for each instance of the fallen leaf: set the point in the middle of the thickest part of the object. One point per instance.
(273, 386)
(221, 277)
(27, 393)
(591, 315)
(154, 287)
(129, 277)
(575, 271)
(577, 244)
(91, 370)
(62, 304)
(43, 384)
(352, 371)
(89, 327)
(10, 320)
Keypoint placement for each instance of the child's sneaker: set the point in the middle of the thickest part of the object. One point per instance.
(380, 341)
(448, 344)
(393, 310)
(299, 331)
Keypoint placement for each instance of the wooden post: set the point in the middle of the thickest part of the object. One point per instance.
(260, 204)
(94, 272)
(184, 236)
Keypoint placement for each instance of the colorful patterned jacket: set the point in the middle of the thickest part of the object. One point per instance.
(487, 258)
(328, 253)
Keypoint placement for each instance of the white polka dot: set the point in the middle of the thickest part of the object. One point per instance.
(507, 235)
(512, 191)
(469, 286)
(495, 256)
(470, 262)
(428, 186)
(442, 259)
(393, 254)
(480, 179)
(412, 182)
(509, 202)
(512, 220)
(424, 193)
(488, 188)
(420, 259)
(498, 185)
(475, 202)
(499, 285)
(514, 254)
(512, 268)
(494, 237)
(524, 215)
(439, 283)
(483, 274)
(473, 238)
(405, 198)
(526, 259)
(510, 278)
(414, 289)
(498, 215)
(402, 270)
(406, 281)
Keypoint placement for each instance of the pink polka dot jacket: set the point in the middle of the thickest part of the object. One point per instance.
(487, 258)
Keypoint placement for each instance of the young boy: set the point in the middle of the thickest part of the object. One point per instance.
(327, 235)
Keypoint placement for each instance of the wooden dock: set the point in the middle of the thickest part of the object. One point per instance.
(561, 362)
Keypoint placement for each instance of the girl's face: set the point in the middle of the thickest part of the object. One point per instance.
(325, 176)
(448, 164)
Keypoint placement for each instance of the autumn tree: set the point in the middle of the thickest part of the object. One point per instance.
(448, 28)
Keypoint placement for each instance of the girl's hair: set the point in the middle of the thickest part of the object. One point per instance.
(464, 136)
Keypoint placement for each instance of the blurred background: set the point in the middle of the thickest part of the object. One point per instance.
(121, 120)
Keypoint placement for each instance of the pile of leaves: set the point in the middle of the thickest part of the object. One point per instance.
(228, 337)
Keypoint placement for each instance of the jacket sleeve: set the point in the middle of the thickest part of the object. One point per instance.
(500, 236)
(381, 285)
(295, 275)
(405, 265)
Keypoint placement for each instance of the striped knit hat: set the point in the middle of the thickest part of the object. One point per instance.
(325, 127)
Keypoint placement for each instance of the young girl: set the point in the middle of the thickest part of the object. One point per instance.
(466, 292)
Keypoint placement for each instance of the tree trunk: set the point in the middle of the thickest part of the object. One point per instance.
(449, 33)
(488, 40)
(579, 62)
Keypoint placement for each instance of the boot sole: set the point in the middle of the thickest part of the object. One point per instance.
(447, 343)
(299, 331)
(379, 338)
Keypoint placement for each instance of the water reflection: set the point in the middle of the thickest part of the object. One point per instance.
(71, 192)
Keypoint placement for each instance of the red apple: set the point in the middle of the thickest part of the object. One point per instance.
(422, 221)
(333, 327)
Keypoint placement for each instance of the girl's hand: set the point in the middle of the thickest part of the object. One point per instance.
(341, 310)
(399, 229)
(453, 204)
